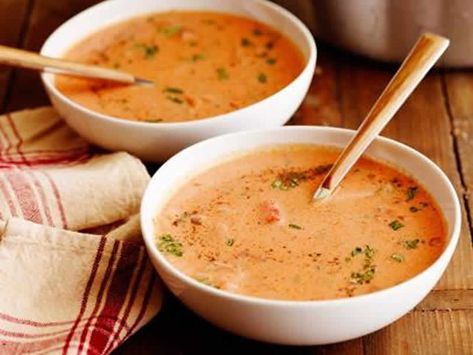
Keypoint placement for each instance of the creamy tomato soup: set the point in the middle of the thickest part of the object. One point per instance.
(248, 226)
(203, 63)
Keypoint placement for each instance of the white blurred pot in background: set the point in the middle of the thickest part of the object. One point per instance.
(386, 29)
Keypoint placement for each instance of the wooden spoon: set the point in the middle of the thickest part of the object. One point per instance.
(423, 56)
(31, 60)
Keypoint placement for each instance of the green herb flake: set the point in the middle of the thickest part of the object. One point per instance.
(174, 99)
(168, 245)
(262, 78)
(149, 50)
(395, 225)
(230, 242)
(363, 277)
(170, 31)
(204, 280)
(294, 226)
(276, 184)
(356, 251)
(398, 258)
(173, 90)
(245, 42)
(222, 74)
(413, 209)
(197, 57)
(271, 61)
(369, 252)
(411, 244)
(411, 192)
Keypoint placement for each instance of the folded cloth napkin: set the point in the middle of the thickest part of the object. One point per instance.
(74, 275)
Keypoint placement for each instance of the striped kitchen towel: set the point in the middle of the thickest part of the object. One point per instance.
(74, 275)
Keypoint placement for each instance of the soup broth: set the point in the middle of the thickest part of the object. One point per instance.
(203, 64)
(248, 226)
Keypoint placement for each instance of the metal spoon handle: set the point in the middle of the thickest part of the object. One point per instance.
(425, 53)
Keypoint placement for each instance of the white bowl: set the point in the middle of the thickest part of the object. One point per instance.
(297, 322)
(158, 141)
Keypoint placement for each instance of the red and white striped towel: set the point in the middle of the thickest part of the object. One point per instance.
(74, 276)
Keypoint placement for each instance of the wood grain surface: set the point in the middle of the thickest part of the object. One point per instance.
(437, 120)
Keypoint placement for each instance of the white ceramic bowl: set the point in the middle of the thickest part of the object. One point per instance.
(297, 322)
(158, 141)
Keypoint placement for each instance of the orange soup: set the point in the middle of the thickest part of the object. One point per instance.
(203, 63)
(248, 226)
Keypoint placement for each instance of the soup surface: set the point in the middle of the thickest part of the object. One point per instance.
(248, 226)
(203, 64)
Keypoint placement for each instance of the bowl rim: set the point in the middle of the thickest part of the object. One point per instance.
(448, 251)
(309, 67)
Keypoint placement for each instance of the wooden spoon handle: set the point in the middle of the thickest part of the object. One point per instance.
(421, 58)
(31, 60)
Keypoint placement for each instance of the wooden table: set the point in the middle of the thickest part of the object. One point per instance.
(437, 120)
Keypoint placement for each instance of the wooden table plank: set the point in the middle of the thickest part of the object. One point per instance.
(15, 14)
(459, 89)
(46, 16)
(429, 333)
(447, 300)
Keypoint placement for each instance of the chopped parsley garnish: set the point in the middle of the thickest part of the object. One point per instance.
(395, 225)
(245, 42)
(222, 74)
(174, 99)
(291, 179)
(368, 271)
(167, 244)
(206, 281)
(278, 184)
(173, 90)
(262, 78)
(271, 61)
(230, 242)
(398, 257)
(149, 50)
(356, 251)
(257, 32)
(411, 192)
(365, 276)
(170, 31)
(295, 226)
(413, 209)
(197, 57)
(369, 252)
(411, 244)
